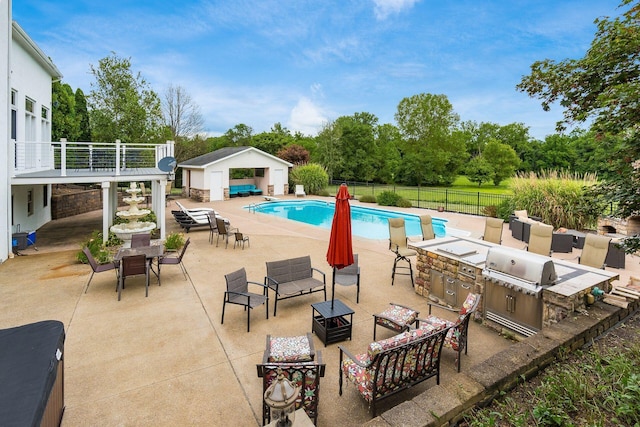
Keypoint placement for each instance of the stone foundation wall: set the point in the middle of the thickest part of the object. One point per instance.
(199, 195)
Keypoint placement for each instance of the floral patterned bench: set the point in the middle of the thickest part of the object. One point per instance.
(394, 364)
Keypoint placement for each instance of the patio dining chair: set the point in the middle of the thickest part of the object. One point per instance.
(594, 252)
(398, 245)
(172, 260)
(223, 231)
(140, 240)
(241, 239)
(349, 276)
(213, 226)
(97, 268)
(493, 230)
(457, 336)
(426, 225)
(238, 293)
(540, 238)
(134, 265)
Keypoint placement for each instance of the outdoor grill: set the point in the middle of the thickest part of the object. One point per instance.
(514, 281)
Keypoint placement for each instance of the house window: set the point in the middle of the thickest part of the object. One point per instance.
(30, 202)
(30, 120)
(14, 115)
(45, 125)
(45, 196)
(259, 172)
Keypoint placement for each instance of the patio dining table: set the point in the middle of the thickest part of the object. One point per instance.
(152, 252)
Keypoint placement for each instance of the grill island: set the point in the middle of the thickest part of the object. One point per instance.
(521, 291)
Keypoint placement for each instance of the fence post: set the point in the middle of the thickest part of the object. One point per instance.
(117, 157)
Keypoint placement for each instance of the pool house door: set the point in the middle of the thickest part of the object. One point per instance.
(278, 182)
(215, 186)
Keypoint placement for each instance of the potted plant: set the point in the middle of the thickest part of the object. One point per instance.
(174, 241)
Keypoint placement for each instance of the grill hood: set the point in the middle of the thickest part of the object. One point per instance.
(526, 266)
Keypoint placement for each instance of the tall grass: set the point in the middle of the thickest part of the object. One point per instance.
(559, 198)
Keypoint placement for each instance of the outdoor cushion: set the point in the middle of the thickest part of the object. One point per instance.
(290, 349)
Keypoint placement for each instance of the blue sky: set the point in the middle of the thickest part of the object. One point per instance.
(303, 63)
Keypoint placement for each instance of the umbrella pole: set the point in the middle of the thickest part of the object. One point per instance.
(333, 286)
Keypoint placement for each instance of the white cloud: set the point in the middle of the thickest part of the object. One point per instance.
(306, 117)
(384, 8)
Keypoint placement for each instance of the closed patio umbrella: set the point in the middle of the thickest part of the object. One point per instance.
(340, 252)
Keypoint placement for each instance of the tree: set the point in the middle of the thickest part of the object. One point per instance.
(122, 105)
(502, 159)
(181, 114)
(604, 85)
(272, 142)
(328, 152)
(388, 159)
(239, 135)
(431, 154)
(357, 146)
(64, 123)
(82, 115)
(295, 154)
(478, 170)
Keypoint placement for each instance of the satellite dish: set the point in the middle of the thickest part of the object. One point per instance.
(167, 164)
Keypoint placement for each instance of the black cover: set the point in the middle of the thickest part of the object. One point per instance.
(29, 357)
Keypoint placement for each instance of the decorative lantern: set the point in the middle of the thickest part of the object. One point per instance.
(281, 397)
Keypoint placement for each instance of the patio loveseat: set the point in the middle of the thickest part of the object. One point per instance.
(293, 277)
(394, 364)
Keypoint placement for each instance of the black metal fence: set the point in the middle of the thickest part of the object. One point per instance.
(441, 199)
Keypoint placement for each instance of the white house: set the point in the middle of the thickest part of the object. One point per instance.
(207, 177)
(30, 163)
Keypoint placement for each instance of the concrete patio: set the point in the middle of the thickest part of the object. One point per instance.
(167, 360)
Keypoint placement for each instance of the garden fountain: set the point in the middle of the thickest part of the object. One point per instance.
(124, 231)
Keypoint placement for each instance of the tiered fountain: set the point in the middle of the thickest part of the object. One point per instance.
(125, 230)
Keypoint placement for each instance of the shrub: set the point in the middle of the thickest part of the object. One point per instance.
(490, 210)
(313, 176)
(403, 203)
(388, 198)
(367, 198)
(97, 249)
(174, 241)
(324, 193)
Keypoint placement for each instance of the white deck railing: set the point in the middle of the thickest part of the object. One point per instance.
(110, 157)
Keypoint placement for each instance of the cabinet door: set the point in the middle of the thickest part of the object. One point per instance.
(463, 290)
(437, 284)
(450, 291)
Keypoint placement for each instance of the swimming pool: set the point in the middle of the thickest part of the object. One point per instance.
(365, 222)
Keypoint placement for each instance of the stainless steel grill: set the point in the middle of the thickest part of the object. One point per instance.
(514, 281)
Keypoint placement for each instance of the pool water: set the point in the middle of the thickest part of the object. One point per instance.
(365, 222)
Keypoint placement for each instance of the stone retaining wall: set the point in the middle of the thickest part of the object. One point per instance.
(70, 204)
(445, 404)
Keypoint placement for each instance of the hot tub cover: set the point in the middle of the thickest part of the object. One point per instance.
(29, 357)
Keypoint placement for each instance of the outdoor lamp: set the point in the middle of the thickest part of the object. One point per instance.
(281, 397)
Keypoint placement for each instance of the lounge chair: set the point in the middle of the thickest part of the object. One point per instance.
(398, 245)
(300, 191)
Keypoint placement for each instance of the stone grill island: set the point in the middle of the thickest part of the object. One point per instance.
(450, 267)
